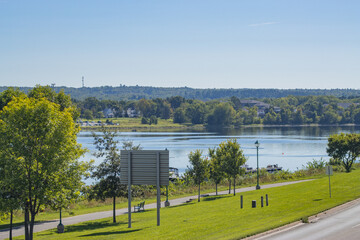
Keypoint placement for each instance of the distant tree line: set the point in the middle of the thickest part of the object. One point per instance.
(123, 92)
(231, 112)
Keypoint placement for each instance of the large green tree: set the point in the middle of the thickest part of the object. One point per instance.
(222, 115)
(198, 169)
(38, 146)
(8, 95)
(231, 158)
(344, 148)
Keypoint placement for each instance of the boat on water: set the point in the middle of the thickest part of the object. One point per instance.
(248, 169)
(273, 168)
(173, 173)
(269, 168)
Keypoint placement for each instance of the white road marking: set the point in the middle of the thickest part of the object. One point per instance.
(283, 230)
(356, 225)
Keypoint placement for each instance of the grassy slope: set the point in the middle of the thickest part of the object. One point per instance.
(221, 217)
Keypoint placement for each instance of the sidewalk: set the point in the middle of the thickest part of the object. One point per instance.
(42, 226)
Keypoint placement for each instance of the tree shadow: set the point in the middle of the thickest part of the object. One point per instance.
(110, 233)
(6, 227)
(92, 225)
(212, 198)
(316, 200)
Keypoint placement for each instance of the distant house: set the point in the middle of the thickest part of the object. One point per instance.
(262, 107)
(132, 113)
(109, 113)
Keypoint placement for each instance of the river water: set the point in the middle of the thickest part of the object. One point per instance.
(289, 147)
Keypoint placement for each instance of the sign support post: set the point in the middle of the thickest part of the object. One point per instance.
(329, 171)
(145, 167)
(158, 186)
(129, 189)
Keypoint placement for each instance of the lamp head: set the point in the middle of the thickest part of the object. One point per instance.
(257, 144)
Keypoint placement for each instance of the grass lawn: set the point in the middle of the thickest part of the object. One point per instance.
(221, 217)
(135, 123)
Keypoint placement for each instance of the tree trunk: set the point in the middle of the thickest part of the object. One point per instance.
(114, 209)
(32, 222)
(26, 224)
(234, 186)
(229, 185)
(199, 194)
(216, 188)
(11, 224)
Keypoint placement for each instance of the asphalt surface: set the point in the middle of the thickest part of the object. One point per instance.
(344, 224)
(42, 226)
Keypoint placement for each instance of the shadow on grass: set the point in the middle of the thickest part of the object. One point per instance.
(92, 225)
(6, 227)
(212, 198)
(318, 199)
(110, 233)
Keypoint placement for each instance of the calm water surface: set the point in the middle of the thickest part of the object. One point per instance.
(290, 147)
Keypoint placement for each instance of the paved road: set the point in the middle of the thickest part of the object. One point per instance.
(341, 225)
(42, 226)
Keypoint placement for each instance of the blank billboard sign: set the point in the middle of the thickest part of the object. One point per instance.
(143, 167)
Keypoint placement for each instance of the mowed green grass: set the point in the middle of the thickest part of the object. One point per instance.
(221, 217)
(135, 123)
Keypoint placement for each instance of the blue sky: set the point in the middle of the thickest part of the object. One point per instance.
(193, 43)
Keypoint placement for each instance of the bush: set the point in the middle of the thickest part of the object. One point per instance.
(144, 120)
(305, 220)
(316, 164)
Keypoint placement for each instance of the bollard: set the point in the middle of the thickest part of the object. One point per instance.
(253, 204)
(241, 201)
(267, 200)
(262, 201)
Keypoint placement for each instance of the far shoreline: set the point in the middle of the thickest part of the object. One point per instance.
(202, 128)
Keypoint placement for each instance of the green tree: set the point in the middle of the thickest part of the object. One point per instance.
(60, 98)
(38, 144)
(88, 114)
(298, 117)
(108, 171)
(196, 112)
(357, 116)
(222, 115)
(330, 116)
(344, 148)
(198, 169)
(216, 171)
(146, 107)
(270, 117)
(9, 198)
(176, 101)
(179, 116)
(8, 95)
(231, 157)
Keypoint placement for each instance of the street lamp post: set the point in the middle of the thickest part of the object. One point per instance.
(257, 144)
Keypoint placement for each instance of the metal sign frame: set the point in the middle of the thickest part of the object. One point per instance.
(144, 167)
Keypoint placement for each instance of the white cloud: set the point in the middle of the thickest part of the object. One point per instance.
(262, 24)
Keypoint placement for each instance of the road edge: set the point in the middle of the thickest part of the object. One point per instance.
(312, 219)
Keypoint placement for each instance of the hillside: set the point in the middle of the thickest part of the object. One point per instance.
(137, 92)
